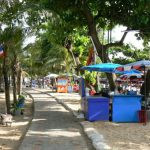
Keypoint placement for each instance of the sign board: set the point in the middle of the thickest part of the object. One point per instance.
(62, 85)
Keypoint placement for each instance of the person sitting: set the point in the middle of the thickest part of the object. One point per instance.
(103, 93)
(92, 92)
(90, 89)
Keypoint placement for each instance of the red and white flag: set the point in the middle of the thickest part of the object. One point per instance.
(1, 51)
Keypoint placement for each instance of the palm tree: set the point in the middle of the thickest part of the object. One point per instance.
(12, 39)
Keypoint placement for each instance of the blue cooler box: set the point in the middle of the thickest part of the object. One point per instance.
(96, 108)
(125, 108)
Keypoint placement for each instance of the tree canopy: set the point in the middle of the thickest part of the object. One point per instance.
(64, 28)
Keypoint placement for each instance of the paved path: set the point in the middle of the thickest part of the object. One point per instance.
(53, 127)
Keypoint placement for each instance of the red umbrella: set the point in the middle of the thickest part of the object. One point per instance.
(138, 65)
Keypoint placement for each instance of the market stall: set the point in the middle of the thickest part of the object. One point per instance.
(62, 85)
(127, 104)
(67, 84)
(124, 106)
(142, 65)
(96, 107)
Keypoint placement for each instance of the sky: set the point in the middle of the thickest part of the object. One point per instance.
(28, 40)
(117, 33)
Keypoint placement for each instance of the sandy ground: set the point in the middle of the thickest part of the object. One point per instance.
(119, 136)
(11, 137)
(122, 136)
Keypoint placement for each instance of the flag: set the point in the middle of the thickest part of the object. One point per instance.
(1, 51)
(90, 57)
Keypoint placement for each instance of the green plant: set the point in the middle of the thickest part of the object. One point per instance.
(13, 108)
(90, 77)
(19, 105)
(21, 97)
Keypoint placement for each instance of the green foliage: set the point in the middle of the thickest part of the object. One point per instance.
(21, 97)
(11, 12)
(14, 108)
(18, 105)
(69, 20)
(133, 13)
(59, 20)
(90, 77)
(44, 54)
(80, 43)
(129, 54)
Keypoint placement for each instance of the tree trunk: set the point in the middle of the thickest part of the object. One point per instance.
(68, 45)
(102, 53)
(31, 80)
(0, 83)
(14, 75)
(14, 83)
(145, 89)
(78, 63)
(19, 81)
(73, 57)
(111, 79)
(6, 81)
(43, 84)
(1, 73)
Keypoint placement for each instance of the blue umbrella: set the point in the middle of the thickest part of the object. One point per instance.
(103, 67)
(132, 74)
(128, 72)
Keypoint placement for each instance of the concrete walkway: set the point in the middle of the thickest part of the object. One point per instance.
(53, 127)
(72, 102)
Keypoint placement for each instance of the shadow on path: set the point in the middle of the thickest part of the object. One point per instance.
(53, 127)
